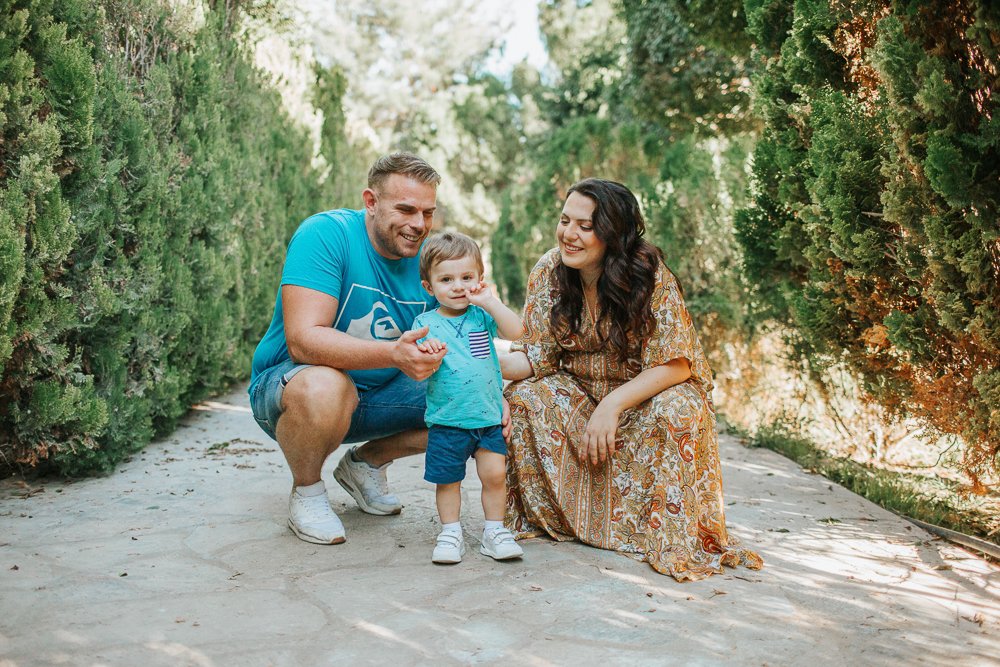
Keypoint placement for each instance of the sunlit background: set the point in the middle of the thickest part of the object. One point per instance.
(822, 177)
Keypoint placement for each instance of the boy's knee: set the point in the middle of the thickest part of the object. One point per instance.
(491, 472)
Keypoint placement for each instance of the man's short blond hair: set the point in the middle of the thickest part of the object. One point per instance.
(406, 164)
(445, 246)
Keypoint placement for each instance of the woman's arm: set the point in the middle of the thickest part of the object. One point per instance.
(515, 365)
(599, 438)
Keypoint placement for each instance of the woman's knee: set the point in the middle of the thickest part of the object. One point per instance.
(680, 404)
(518, 393)
(528, 393)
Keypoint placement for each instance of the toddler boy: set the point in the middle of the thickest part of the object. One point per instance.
(464, 396)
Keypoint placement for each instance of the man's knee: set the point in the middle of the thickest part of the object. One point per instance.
(321, 394)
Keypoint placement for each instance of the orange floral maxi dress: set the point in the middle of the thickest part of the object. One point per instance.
(659, 497)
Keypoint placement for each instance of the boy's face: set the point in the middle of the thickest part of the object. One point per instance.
(451, 280)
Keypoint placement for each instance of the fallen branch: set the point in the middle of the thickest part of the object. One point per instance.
(988, 548)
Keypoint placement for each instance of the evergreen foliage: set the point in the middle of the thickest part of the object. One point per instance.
(689, 62)
(606, 116)
(149, 181)
(875, 226)
(872, 235)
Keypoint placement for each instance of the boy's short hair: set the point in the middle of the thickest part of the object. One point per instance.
(444, 246)
(406, 164)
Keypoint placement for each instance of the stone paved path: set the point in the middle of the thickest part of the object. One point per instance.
(182, 557)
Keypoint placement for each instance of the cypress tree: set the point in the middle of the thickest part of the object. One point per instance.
(875, 226)
(150, 182)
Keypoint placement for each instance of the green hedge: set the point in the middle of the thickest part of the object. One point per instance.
(875, 227)
(149, 181)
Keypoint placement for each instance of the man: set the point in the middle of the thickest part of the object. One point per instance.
(338, 363)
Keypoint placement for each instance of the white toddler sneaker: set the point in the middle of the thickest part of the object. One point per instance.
(312, 519)
(367, 485)
(499, 544)
(449, 549)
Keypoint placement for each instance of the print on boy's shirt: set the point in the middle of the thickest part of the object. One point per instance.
(371, 314)
(479, 344)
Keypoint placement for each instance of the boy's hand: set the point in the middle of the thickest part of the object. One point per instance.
(409, 358)
(506, 425)
(481, 295)
(432, 346)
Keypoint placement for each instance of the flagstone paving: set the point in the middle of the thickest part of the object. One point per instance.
(183, 557)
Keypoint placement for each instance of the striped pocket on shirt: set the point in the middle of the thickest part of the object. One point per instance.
(479, 344)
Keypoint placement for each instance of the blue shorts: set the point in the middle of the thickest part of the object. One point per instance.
(448, 448)
(394, 407)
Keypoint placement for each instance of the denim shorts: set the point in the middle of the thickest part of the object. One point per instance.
(448, 449)
(396, 406)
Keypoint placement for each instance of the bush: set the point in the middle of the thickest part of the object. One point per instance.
(150, 181)
(877, 177)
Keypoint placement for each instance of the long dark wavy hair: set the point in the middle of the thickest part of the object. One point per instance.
(625, 287)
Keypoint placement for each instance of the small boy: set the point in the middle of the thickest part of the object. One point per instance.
(464, 396)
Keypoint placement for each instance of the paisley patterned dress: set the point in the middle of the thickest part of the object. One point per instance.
(659, 497)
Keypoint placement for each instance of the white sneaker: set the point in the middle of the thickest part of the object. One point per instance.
(449, 549)
(312, 519)
(499, 544)
(367, 485)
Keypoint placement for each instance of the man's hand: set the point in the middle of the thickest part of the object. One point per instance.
(410, 359)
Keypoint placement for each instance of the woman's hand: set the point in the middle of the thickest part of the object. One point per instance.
(599, 438)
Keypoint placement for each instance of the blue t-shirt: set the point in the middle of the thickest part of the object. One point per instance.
(377, 298)
(467, 390)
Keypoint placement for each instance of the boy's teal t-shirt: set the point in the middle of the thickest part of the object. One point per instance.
(467, 390)
(377, 297)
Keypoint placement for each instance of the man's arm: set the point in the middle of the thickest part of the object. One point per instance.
(311, 340)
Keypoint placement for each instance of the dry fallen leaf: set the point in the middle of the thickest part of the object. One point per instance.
(534, 588)
(978, 619)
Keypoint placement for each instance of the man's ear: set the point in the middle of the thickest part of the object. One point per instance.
(369, 198)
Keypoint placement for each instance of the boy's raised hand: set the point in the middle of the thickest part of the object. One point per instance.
(481, 295)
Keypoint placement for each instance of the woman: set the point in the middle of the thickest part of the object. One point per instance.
(614, 438)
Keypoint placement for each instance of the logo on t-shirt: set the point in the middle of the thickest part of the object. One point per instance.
(377, 324)
(374, 315)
